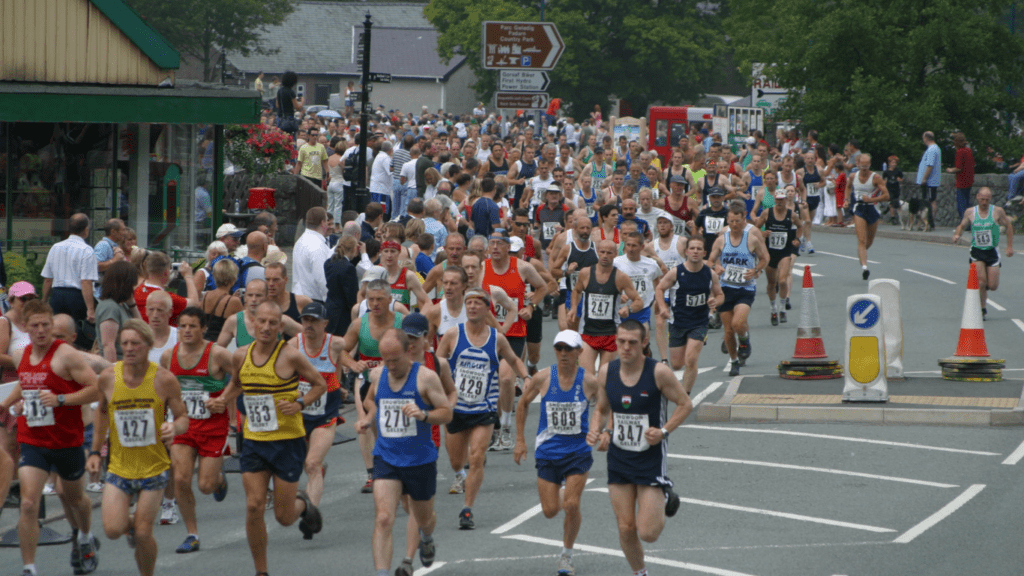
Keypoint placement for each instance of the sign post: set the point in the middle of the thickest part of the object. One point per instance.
(522, 51)
(362, 192)
(523, 81)
(865, 350)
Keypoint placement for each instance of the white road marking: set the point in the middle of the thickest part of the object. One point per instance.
(774, 513)
(705, 393)
(522, 517)
(844, 256)
(619, 554)
(928, 276)
(800, 274)
(943, 512)
(812, 469)
(1018, 323)
(842, 438)
(1015, 456)
(423, 571)
(993, 304)
(679, 373)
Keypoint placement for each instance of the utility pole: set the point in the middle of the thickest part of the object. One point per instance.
(362, 193)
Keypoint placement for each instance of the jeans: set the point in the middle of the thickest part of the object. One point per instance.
(1015, 183)
(963, 201)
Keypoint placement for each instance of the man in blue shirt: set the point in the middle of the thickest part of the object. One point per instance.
(929, 173)
(486, 216)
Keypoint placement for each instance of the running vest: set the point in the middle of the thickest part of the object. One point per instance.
(262, 388)
(863, 190)
(984, 231)
(549, 220)
(293, 309)
(582, 258)
(514, 286)
(475, 371)
(242, 336)
(321, 360)
(567, 166)
(400, 289)
(597, 177)
(526, 171)
(402, 441)
(680, 215)
(172, 340)
(811, 181)
(197, 386)
(599, 305)
(634, 409)
(707, 186)
(713, 222)
(498, 169)
(643, 274)
(778, 231)
(756, 183)
(692, 292)
(368, 350)
(447, 320)
(564, 419)
(135, 417)
(737, 260)
(783, 183)
(43, 426)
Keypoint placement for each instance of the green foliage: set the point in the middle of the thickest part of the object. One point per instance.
(20, 268)
(642, 52)
(201, 28)
(884, 72)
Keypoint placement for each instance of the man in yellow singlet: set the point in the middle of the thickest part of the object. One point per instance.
(136, 395)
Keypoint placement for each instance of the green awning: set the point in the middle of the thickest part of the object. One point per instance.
(193, 104)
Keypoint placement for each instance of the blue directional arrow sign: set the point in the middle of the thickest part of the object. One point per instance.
(864, 314)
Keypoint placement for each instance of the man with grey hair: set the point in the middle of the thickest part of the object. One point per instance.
(381, 179)
(433, 222)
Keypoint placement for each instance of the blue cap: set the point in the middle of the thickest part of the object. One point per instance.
(415, 325)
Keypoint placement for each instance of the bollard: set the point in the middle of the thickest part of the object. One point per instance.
(865, 350)
(888, 291)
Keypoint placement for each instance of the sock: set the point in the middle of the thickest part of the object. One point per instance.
(461, 474)
(775, 306)
(640, 572)
(567, 552)
(31, 568)
(864, 267)
(531, 364)
(168, 501)
(83, 538)
(426, 538)
(506, 419)
(382, 572)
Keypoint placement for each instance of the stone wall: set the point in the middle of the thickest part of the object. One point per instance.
(946, 215)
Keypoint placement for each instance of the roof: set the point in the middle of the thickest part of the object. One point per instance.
(140, 33)
(403, 42)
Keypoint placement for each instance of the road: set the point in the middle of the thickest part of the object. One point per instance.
(779, 499)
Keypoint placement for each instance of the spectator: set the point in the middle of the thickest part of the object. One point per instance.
(108, 249)
(309, 254)
(381, 180)
(373, 219)
(400, 190)
(129, 242)
(230, 235)
(335, 168)
(312, 161)
(157, 267)
(250, 267)
(929, 173)
(69, 273)
(15, 338)
(219, 304)
(963, 167)
(204, 276)
(116, 306)
(425, 161)
(424, 258)
(1015, 179)
(342, 285)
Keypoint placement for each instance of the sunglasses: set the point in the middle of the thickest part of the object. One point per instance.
(563, 348)
(26, 298)
(521, 223)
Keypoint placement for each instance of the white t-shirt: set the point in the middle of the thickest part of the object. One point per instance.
(380, 176)
(409, 173)
(539, 185)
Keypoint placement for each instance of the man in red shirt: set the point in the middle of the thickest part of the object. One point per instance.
(158, 275)
(552, 111)
(963, 167)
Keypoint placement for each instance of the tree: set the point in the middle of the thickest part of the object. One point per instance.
(641, 52)
(885, 72)
(203, 28)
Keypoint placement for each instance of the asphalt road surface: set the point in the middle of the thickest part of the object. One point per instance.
(758, 499)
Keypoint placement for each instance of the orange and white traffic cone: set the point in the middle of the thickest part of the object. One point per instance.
(808, 334)
(972, 335)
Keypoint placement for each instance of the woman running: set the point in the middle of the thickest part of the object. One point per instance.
(867, 191)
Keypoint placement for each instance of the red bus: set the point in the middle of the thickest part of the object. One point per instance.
(667, 124)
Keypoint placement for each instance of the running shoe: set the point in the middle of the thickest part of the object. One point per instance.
(169, 513)
(803, 245)
(531, 369)
(725, 349)
(404, 569)
(775, 319)
(671, 502)
(222, 491)
(565, 567)
(466, 519)
(495, 442)
(191, 544)
(95, 487)
(810, 247)
(76, 553)
(984, 313)
(368, 487)
(745, 349)
(48, 490)
(312, 522)
(788, 305)
(458, 485)
(734, 368)
(865, 274)
(427, 551)
(782, 317)
(129, 537)
(505, 442)
(88, 557)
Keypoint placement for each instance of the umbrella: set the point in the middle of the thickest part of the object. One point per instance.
(328, 114)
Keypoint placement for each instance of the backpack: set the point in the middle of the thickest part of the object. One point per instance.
(243, 271)
(348, 171)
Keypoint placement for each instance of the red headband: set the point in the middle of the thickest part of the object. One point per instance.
(392, 245)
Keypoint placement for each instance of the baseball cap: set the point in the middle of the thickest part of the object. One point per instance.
(314, 310)
(375, 273)
(570, 338)
(780, 193)
(22, 288)
(664, 215)
(228, 230)
(477, 293)
(716, 191)
(677, 180)
(517, 244)
(415, 325)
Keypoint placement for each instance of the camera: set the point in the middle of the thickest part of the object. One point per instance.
(175, 266)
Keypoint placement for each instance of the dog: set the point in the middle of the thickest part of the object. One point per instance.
(913, 211)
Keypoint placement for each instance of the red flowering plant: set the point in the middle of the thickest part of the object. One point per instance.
(258, 149)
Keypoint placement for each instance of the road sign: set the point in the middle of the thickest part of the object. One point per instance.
(380, 77)
(525, 100)
(517, 45)
(523, 81)
(864, 314)
(865, 351)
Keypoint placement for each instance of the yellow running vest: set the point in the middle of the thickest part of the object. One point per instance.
(136, 415)
(262, 388)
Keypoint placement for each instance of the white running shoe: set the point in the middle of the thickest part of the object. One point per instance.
(169, 513)
(458, 485)
(565, 567)
(505, 442)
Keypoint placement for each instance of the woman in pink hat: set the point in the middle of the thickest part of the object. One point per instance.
(13, 334)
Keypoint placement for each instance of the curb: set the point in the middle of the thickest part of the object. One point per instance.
(894, 232)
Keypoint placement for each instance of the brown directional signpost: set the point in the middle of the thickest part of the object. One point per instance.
(528, 48)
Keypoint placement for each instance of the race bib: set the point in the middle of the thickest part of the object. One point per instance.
(316, 408)
(573, 276)
(983, 238)
(261, 413)
(549, 230)
(393, 423)
(813, 191)
(471, 383)
(565, 417)
(135, 428)
(500, 312)
(713, 225)
(642, 284)
(734, 274)
(195, 404)
(678, 226)
(590, 211)
(696, 300)
(599, 306)
(35, 413)
(629, 430)
(777, 240)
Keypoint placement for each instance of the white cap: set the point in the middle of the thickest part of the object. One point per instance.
(517, 244)
(780, 193)
(750, 140)
(375, 273)
(227, 230)
(569, 337)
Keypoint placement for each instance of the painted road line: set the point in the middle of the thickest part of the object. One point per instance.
(825, 399)
(618, 554)
(422, 571)
(522, 518)
(812, 469)
(843, 439)
(928, 276)
(1015, 456)
(679, 373)
(800, 273)
(842, 256)
(1018, 323)
(787, 515)
(943, 512)
(993, 304)
(705, 393)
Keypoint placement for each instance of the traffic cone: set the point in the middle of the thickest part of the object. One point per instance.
(808, 335)
(972, 335)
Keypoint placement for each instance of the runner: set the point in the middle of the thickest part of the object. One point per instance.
(680, 205)
(277, 291)
(868, 190)
(779, 223)
(644, 272)
(404, 282)
(136, 395)
(320, 419)
(586, 198)
(753, 179)
(697, 293)
(813, 187)
(597, 169)
(578, 253)
(631, 397)
(454, 248)
(54, 381)
(267, 373)
(985, 220)
(472, 351)
(528, 252)
(362, 337)
(600, 285)
(561, 451)
(202, 388)
(738, 257)
(242, 325)
(159, 307)
(404, 458)
(671, 250)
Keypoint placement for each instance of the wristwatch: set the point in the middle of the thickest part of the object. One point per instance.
(301, 403)
(60, 400)
(664, 433)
